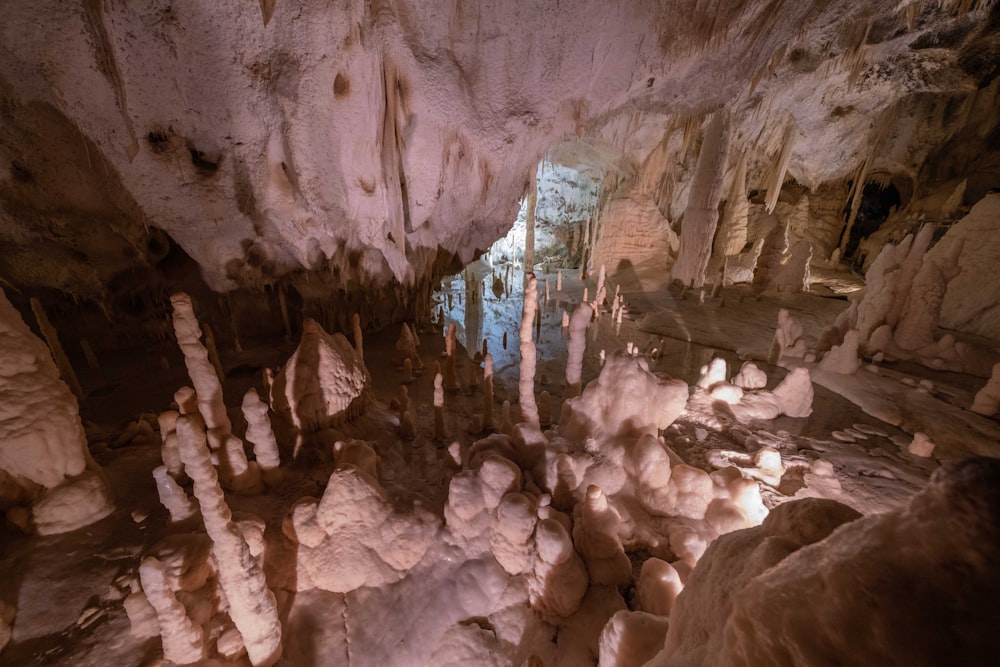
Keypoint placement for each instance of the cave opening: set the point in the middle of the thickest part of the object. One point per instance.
(878, 201)
(566, 200)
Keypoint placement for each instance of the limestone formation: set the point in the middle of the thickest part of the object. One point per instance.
(322, 384)
(526, 383)
(43, 447)
(252, 605)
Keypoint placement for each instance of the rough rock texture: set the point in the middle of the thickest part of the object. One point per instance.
(43, 449)
(972, 300)
(626, 399)
(639, 234)
(41, 437)
(323, 383)
(757, 598)
(351, 537)
(698, 616)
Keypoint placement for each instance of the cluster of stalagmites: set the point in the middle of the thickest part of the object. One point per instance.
(561, 512)
(206, 593)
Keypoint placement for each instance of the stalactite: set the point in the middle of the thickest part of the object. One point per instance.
(283, 305)
(267, 9)
(732, 234)
(776, 175)
(58, 354)
(529, 222)
(88, 353)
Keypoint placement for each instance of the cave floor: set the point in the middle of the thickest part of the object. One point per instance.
(69, 588)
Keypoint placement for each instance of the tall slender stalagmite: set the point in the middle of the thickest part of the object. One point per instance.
(575, 348)
(526, 384)
(252, 605)
(488, 391)
(200, 369)
(183, 639)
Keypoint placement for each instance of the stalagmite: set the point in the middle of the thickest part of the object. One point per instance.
(52, 338)
(750, 377)
(404, 398)
(526, 384)
(323, 384)
(450, 343)
(575, 348)
(601, 290)
(187, 402)
(407, 370)
(788, 340)
(406, 348)
(439, 431)
(595, 535)
(172, 495)
(183, 639)
(252, 606)
(200, 370)
(843, 358)
(658, 587)
(511, 534)
(488, 391)
(702, 213)
(260, 435)
(558, 578)
(358, 338)
(169, 452)
(406, 430)
(793, 276)
(559, 280)
(987, 399)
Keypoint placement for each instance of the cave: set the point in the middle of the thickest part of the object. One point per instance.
(538, 333)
